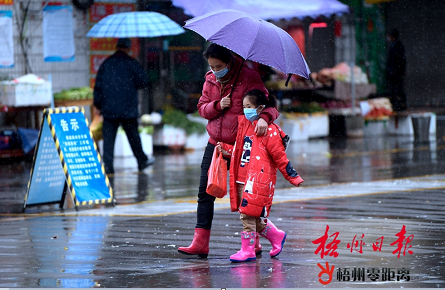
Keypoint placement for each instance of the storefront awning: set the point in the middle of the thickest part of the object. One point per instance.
(266, 9)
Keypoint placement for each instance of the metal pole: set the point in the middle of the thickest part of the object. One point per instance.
(145, 95)
(50, 79)
(352, 63)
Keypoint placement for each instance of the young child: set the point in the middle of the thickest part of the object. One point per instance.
(253, 174)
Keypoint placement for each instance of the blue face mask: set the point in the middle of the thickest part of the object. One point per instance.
(221, 73)
(250, 114)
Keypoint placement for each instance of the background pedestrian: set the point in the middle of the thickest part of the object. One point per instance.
(395, 71)
(115, 94)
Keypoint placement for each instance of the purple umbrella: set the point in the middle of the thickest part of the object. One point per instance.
(252, 38)
(266, 9)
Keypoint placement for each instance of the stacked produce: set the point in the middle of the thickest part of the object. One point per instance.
(148, 121)
(340, 72)
(380, 109)
(179, 119)
(74, 94)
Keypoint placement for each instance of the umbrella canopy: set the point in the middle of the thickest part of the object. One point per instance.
(252, 38)
(135, 24)
(266, 9)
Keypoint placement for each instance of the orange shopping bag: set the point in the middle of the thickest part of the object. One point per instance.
(217, 182)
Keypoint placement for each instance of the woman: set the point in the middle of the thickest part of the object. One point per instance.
(221, 104)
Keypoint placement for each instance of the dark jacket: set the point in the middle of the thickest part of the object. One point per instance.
(117, 81)
(223, 124)
(396, 64)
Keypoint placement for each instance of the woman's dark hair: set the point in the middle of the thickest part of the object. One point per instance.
(219, 52)
(258, 98)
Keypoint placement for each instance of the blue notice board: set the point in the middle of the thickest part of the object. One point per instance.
(48, 178)
(67, 153)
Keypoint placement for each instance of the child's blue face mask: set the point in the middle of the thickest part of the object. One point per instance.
(251, 114)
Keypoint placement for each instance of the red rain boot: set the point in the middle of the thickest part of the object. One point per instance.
(199, 245)
(247, 252)
(258, 247)
(275, 236)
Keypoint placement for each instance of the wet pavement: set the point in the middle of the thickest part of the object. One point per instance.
(363, 189)
(318, 161)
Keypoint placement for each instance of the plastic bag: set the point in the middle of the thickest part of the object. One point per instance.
(96, 125)
(217, 180)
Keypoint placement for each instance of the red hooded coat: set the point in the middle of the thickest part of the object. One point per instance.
(223, 124)
(266, 156)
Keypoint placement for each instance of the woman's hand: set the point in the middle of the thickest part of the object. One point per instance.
(220, 150)
(225, 102)
(261, 127)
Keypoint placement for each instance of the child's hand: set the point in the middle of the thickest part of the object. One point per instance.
(298, 181)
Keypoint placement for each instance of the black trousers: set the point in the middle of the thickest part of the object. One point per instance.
(396, 93)
(109, 131)
(206, 201)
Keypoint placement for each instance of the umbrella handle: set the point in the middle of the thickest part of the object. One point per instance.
(288, 79)
(234, 84)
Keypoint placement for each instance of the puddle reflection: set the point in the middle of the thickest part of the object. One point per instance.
(197, 276)
(68, 259)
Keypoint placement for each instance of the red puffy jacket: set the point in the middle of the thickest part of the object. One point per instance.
(266, 156)
(223, 124)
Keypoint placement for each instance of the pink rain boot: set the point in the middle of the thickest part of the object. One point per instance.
(199, 245)
(258, 247)
(247, 252)
(275, 236)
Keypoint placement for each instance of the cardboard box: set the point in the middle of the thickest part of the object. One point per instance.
(29, 90)
(375, 127)
(318, 125)
(403, 125)
(169, 136)
(297, 129)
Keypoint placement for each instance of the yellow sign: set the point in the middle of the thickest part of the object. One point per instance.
(6, 2)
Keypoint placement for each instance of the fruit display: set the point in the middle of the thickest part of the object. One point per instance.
(74, 94)
(340, 72)
(379, 109)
